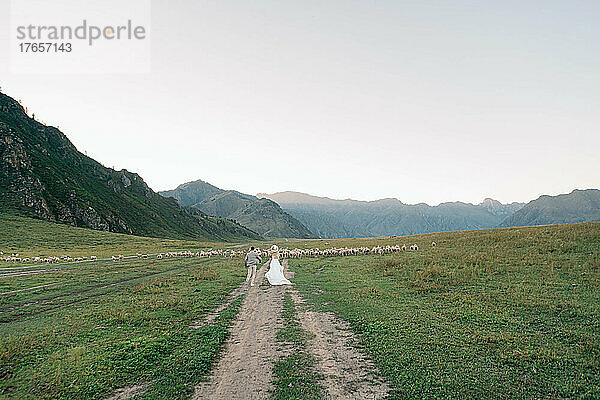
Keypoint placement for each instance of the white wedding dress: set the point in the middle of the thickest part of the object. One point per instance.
(275, 273)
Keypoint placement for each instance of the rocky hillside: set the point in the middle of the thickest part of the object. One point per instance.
(577, 206)
(261, 215)
(43, 175)
(329, 218)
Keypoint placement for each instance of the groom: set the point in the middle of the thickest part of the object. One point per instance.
(252, 260)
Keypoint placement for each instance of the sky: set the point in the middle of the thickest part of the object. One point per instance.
(424, 101)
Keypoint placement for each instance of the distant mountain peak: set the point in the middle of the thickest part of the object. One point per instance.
(292, 197)
(577, 206)
(497, 208)
(489, 202)
(261, 215)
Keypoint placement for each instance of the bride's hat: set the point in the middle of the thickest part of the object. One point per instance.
(274, 248)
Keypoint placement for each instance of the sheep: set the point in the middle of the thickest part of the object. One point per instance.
(231, 253)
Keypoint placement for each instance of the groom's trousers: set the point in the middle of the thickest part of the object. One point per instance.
(251, 274)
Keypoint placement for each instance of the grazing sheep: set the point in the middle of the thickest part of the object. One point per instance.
(231, 253)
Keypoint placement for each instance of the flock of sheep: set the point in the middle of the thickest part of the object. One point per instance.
(346, 251)
(285, 253)
(15, 257)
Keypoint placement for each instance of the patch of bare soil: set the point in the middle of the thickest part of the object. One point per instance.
(245, 369)
(128, 392)
(349, 374)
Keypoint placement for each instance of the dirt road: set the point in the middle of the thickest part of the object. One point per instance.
(245, 369)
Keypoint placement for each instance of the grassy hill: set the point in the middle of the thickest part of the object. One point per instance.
(43, 175)
(260, 215)
(577, 206)
(34, 237)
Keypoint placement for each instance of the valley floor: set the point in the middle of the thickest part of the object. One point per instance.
(510, 313)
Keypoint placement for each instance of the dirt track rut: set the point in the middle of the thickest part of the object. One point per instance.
(349, 374)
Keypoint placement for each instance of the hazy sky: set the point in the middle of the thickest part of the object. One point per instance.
(426, 101)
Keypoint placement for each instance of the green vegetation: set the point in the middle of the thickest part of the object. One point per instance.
(294, 375)
(32, 237)
(510, 313)
(102, 326)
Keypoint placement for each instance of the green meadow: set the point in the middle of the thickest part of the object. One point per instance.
(498, 314)
(97, 327)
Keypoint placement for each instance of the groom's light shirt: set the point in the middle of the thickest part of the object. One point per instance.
(252, 258)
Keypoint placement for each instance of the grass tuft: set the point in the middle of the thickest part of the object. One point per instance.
(295, 377)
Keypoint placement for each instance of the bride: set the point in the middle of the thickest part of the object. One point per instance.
(275, 273)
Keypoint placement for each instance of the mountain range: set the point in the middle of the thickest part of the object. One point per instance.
(577, 206)
(43, 175)
(329, 218)
(261, 215)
